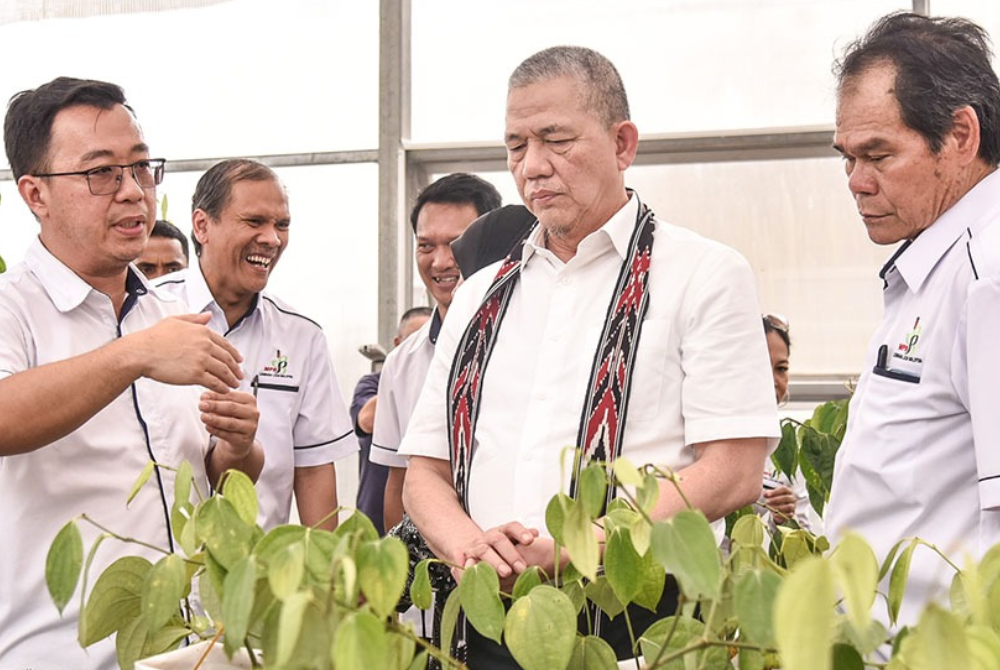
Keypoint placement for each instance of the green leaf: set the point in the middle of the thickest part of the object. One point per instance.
(63, 564)
(165, 586)
(804, 616)
(449, 619)
(581, 541)
(226, 536)
(541, 629)
(130, 642)
(526, 581)
(383, 566)
(686, 547)
(785, 456)
(602, 595)
(750, 659)
(754, 598)
(555, 515)
(400, 650)
(593, 653)
(651, 581)
(293, 610)
(984, 647)
(673, 634)
(419, 661)
(357, 524)
(820, 452)
(942, 639)
(360, 643)
(622, 565)
(648, 494)
(856, 569)
(846, 657)
(147, 471)
(897, 581)
(593, 489)
(574, 591)
(237, 602)
(626, 472)
(285, 572)
(115, 599)
(182, 509)
(420, 589)
(479, 591)
(748, 531)
(239, 490)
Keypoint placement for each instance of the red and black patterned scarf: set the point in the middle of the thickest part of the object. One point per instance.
(606, 403)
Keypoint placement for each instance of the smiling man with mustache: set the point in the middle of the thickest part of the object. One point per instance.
(240, 222)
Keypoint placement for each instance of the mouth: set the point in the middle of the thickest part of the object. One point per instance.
(260, 262)
(446, 281)
(131, 227)
(543, 197)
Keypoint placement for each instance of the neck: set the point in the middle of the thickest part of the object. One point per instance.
(233, 305)
(442, 310)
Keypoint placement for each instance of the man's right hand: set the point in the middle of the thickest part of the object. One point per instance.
(501, 548)
(182, 350)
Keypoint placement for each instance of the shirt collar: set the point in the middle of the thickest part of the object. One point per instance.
(200, 296)
(435, 327)
(916, 260)
(617, 230)
(68, 290)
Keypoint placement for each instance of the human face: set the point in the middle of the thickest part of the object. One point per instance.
(567, 164)
(161, 256)
(97, 236)
(900, 187)
(438, 225)
(779, 364)
(242, 247)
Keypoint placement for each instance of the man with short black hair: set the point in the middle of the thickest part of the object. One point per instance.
(918, 125)
(166, 251)
(99, 374)
(240, 226)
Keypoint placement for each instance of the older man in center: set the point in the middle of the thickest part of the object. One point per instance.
(697, 393)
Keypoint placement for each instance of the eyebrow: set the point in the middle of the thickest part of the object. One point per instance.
(140, 147)
(865, 147)
(542, 132)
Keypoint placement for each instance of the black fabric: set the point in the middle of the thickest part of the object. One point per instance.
(491, 237)
(485, 654)
(372, 477)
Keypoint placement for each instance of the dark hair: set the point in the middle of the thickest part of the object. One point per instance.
(215, 188)
(773, 326)
(491, 237)
(166, 229)
(27, 129)
(602, 85)
(459, 188)
(413, 313)
(942, 64)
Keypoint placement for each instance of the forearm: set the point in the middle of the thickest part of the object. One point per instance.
(725, 476)
(392, 502)
(366, 415)
(316, 495)
(41, 405)
(430, 500)
(223, 457)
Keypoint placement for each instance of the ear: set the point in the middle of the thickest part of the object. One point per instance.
(626, 143)
(199, 226)
(964, 134)
(34, 193)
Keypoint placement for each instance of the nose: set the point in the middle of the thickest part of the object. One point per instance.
(128, 188)
(443, 258)
(268, 235)
(860, 180)
(536, 161)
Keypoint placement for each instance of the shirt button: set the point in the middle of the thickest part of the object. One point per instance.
(564, 281)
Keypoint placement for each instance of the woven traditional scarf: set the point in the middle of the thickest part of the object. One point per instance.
(603, 421)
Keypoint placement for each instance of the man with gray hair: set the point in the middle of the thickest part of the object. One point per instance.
(918, 125)
(693, 394)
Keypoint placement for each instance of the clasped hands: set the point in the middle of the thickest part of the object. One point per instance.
(510, 548)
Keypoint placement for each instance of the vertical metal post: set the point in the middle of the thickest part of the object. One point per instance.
(395, 275)
(922, 7)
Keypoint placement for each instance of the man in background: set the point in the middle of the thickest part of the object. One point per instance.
(240, 226)
(165, 252)
(918, 125)
(99, 375)
(443, 211)
(372, 476)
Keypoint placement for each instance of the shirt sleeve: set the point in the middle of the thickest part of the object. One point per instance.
(366, 389)
(727, 388)
(323, 432)
(14, 346)
(981, 367)
(388, 431)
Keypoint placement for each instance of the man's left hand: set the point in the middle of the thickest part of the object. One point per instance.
(232, 417)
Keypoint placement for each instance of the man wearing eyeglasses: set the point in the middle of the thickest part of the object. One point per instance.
(240, 227)
(98, 374)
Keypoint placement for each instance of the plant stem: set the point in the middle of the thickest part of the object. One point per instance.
(120, 538)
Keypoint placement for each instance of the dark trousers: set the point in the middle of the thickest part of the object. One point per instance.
(485, 654)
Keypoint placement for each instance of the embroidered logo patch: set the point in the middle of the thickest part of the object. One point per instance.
(907, 349)
(278, 367)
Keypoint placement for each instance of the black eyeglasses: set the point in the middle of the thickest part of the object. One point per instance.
(107, 179)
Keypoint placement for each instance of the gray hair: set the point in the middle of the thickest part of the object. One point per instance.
(602, 85)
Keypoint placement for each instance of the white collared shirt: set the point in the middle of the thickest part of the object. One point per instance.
(403, 376)
(907, 466)
(701, 372)
(49, 314)
(303, 418)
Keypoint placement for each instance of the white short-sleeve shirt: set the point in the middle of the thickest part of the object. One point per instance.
(403, 376)
(701, 372)
(49, 314)
(908, 463)
(303, 418)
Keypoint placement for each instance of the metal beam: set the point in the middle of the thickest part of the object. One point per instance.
(922, 7)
